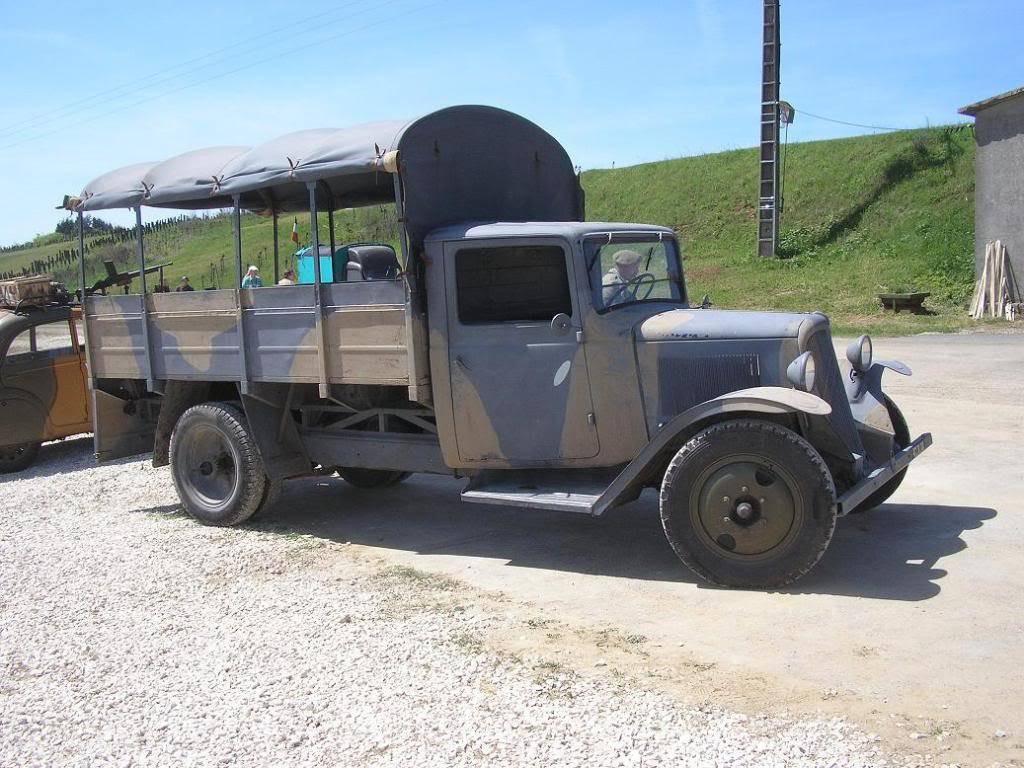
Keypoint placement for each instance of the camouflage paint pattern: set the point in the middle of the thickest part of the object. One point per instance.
(42, 393)
(593, 392)
(519, 395)
(194, 335)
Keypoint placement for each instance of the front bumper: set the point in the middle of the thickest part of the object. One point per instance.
(879, 476)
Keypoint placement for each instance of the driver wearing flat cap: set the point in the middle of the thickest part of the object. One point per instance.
(615, 284)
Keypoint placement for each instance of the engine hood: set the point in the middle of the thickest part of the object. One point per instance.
(689, 356)
(706, 324)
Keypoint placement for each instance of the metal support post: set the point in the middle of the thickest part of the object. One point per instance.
(412, 321)
(321, 331)
(768, 202)
(143, 306)
(236, 220)
(277, 267)
(90, 380)
(330, 229)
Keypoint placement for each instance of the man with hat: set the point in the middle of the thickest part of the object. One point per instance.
(252, 278)
(184, 285)
(615, 284)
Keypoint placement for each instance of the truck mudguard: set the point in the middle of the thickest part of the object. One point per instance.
(758, 401)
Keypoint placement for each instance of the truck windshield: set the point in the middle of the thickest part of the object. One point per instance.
(634, 268)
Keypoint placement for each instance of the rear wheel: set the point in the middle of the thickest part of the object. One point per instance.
(748, 503)
(371, 478)
(901, 439)
(14, 458)
(216, 466)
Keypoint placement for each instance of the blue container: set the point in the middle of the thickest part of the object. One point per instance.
(304, 265)
(381, 256)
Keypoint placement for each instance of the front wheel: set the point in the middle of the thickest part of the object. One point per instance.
(216, 466)
(14, 458)
(748, 503)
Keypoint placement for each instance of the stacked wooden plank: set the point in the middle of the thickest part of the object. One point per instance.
(23, 291)
(997, 293)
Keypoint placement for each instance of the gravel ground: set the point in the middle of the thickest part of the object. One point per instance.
(131, 636)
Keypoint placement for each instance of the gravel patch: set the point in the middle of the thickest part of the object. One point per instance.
(131, 636)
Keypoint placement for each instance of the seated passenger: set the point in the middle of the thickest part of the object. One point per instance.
(252, 278)
(288, 278)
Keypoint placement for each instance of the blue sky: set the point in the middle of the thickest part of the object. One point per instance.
(616, 82)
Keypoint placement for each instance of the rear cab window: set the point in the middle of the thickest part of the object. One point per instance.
(512, 284)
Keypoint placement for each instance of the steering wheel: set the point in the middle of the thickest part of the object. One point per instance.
(633, 287)
(643, 280)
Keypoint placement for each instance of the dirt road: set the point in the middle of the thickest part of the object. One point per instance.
(914, 621)
(912, 625)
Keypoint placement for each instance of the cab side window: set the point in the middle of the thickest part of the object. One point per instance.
(51, 340)
(508, 284)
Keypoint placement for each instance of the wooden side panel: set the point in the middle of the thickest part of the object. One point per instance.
(194, 336)
(116, 345)
(366, 345)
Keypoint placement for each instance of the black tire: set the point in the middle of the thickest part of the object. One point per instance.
(14, 458)
(216, 466)
(901, 434)
(748, 503)
(371, 478)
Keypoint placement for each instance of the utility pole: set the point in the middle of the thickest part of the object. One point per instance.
(768, 202)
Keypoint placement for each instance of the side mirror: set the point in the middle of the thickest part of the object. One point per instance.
(706, 303)
(561, 323)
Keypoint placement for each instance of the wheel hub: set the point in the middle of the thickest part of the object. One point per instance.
(211, 466)
(745, 506)
(745, 513)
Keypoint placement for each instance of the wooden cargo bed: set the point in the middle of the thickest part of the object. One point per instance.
(195, 335)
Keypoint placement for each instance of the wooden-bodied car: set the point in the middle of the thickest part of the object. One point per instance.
(42, 382)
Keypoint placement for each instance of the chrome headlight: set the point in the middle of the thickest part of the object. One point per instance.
(859, 353)
(801, 372)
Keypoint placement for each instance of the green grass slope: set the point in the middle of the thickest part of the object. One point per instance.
(862, 215)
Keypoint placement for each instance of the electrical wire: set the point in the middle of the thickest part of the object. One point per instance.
(124, 90)
(845, 122)
(250, 65)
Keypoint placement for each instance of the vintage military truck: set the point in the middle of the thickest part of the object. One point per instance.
(553, 362)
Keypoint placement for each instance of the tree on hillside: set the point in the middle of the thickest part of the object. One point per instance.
(93, 225)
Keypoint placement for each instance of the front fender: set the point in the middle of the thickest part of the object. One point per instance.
(757, 400)
(864, 390)
(870, 409)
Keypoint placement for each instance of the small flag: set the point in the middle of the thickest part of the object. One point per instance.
(295, 231)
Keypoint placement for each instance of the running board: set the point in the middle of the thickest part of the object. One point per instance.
(558, 490)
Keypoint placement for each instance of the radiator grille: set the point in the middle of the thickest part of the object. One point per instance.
(689, 381)
(828, 386)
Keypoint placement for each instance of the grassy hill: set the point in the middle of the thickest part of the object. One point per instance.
(871, 213)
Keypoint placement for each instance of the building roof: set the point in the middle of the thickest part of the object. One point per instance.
(974, 109)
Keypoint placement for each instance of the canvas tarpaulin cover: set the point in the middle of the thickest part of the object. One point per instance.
(457, 165)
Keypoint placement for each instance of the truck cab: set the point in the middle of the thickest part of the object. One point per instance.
(538, 316)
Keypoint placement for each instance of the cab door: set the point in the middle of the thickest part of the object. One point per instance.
(44, 364)
(520, 387)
